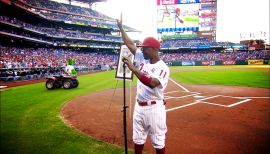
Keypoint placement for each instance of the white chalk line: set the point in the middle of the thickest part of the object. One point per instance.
(182, 106)
(179, 85)
(246, 99)
(239, 103)
(204, 102)
(214, 104)
(208, 98)
(171, 97)
(251, 97)
(242, 97)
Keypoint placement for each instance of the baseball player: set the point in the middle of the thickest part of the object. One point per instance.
(177, 15)
(149, 116)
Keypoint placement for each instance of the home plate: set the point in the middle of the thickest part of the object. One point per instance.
(197, 96)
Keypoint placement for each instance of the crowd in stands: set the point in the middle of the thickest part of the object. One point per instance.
(31, 63)
(64, 43)
(215, 56)
(29, 73)
(61, 32)
(69, 13)
(65, 8)
(75, 19)
(44, 57)
(194, 42)
(79, 43)
(79, 35)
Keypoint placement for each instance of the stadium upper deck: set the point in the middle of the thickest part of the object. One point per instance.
(71, 14)
(57, 24)
(22, 21)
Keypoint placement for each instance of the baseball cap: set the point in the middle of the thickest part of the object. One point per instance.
(150, 42)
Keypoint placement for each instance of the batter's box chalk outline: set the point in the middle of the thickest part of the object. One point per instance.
(179, 91)
(182, 106)
(166, 97)
(243, 100)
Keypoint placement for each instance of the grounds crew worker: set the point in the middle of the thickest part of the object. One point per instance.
(149, 113)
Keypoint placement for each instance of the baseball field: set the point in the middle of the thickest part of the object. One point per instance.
(210, 109)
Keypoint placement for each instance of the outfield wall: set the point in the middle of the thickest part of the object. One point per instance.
(220, 62)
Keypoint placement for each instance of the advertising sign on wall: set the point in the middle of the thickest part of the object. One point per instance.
(229, 62)
(255, 62)
(188, 63)
(205, 63)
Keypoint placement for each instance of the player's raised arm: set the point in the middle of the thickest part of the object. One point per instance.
(144, 78)
(128, 42)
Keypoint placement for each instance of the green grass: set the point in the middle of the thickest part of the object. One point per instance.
(224, 75)
(226, 66)
(30, 121)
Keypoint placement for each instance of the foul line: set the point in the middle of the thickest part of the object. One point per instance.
(179, 85)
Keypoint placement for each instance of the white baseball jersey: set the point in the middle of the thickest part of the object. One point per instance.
(158, 70)
(150, 119)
